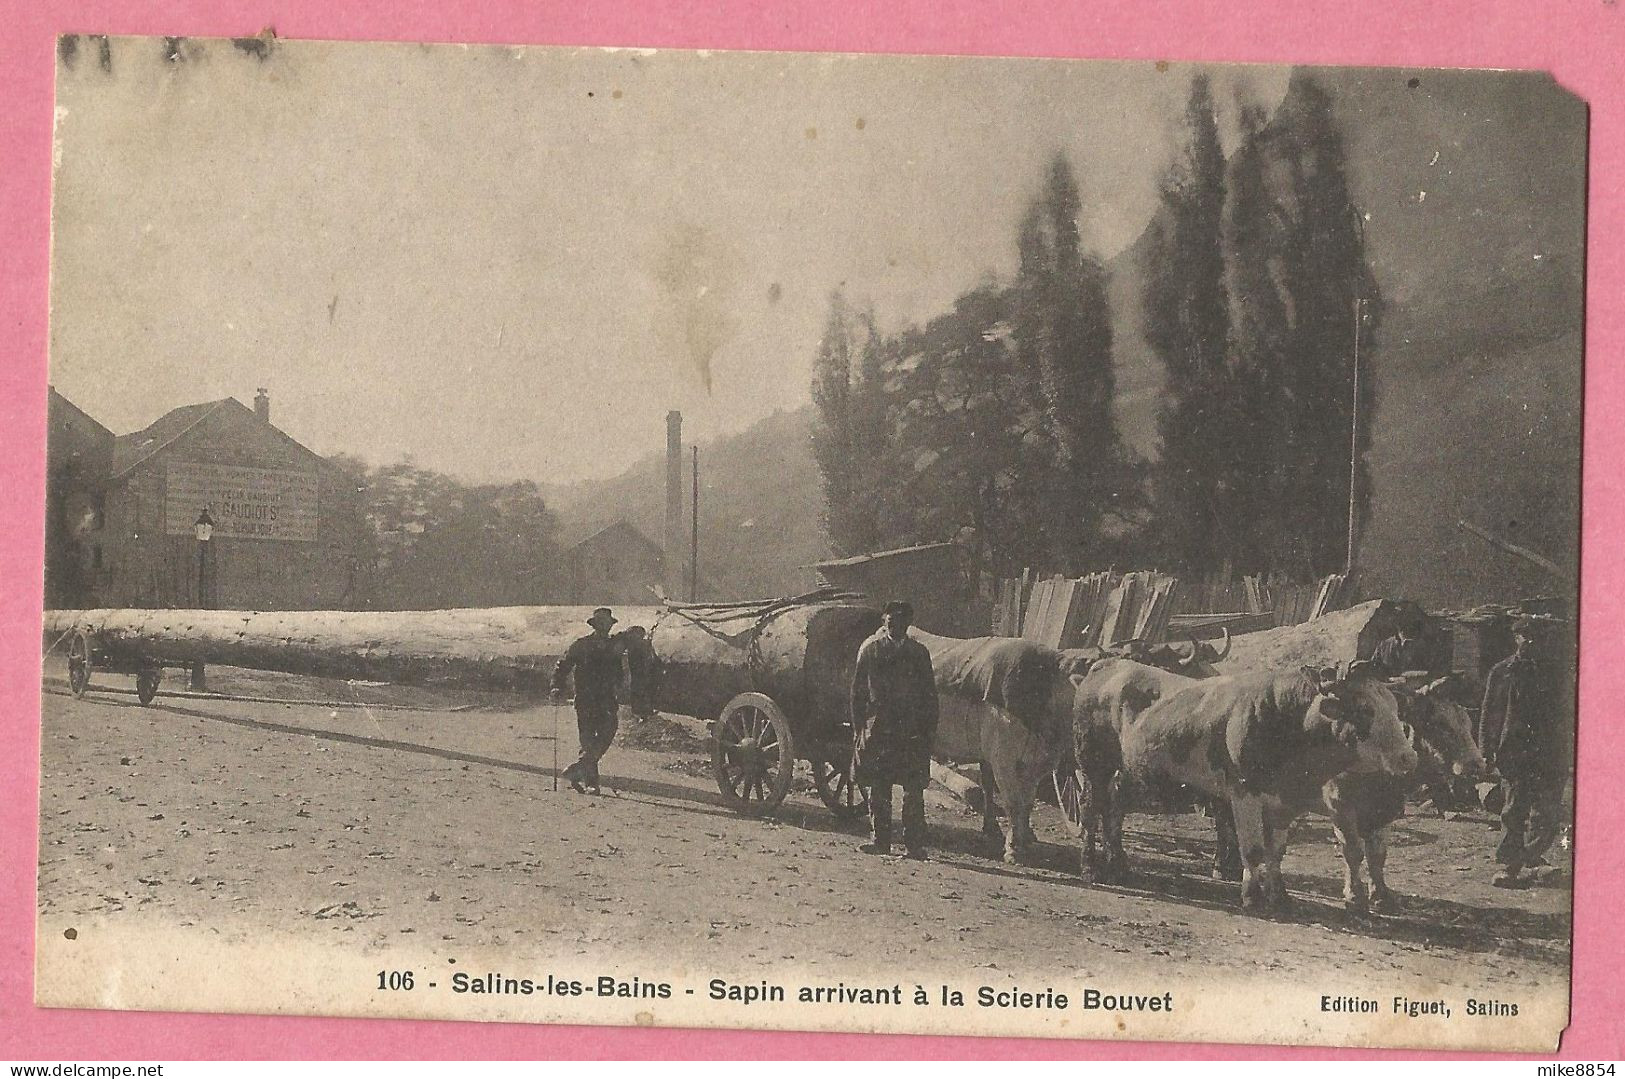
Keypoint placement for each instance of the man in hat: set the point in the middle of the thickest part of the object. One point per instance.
(1404, 651)
(1524, 732)
(894, 711)
(595, 660)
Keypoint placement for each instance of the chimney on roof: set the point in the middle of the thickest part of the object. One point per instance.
(262, 405)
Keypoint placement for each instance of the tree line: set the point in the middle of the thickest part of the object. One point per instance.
(993, 422)
(427, 541)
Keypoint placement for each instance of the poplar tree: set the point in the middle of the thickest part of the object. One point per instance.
(1296, 263)
(1064, 338)
(1186, 322)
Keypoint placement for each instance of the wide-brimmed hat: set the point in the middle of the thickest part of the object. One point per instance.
(602, 614)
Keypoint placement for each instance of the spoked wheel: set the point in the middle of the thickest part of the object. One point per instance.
(146, 685)
(754, 754)
(79, 664)
(835, 786)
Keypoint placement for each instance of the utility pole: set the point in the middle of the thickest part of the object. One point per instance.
(1354, 439)
(694, 536)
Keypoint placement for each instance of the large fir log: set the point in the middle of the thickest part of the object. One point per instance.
(799, 653)
(1335, 638)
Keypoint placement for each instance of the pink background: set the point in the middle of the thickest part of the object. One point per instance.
(1579, 41)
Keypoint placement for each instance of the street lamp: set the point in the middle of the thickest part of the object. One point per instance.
(203, 528)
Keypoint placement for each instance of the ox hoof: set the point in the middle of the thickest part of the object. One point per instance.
(1011, 858)
(1356, 904)
(1385, 902)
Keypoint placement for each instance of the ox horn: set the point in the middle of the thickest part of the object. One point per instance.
(1221, 655)
(1196, 652)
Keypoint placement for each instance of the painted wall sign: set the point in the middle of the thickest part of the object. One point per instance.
(250, 503)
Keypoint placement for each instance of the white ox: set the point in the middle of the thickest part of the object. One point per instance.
(1007, 703)
(1261, 742)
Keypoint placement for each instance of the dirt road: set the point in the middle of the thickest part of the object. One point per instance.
(374, 827)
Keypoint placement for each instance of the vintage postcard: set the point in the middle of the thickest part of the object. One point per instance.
(827, 542)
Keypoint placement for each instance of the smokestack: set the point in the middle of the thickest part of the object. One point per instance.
(262, 405)
(674, 505)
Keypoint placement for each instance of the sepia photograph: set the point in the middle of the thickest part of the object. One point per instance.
(795, 541)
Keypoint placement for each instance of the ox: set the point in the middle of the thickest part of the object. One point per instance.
(1259, 740)
(1108, 698)
(1362, 805)
(1006, 702)
(1111, 691)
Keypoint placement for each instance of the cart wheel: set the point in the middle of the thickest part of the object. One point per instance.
(146, 685)
(844, 798)
(1069, 796)
(79, 664)
(755, 754)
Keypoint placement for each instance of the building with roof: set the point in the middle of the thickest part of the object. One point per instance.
(286, 524)
(615, 565)
(618, 564)
(940, 580)
(78, 460)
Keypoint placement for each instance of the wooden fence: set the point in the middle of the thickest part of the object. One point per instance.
(1108, 608)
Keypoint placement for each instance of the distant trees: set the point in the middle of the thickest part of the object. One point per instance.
(434, 541)
(1063, 336)
(849, 425)
(1186, 321)
(1255, 268)
(1294, 253)
(998, 414)
(994, 416)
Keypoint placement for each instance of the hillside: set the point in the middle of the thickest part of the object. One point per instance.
(759, 507)
(1474, 191)
(1475, 200)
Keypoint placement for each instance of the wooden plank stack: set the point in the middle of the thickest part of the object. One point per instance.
(1108, 608)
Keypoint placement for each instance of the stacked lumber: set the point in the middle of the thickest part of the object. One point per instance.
(1104, 608)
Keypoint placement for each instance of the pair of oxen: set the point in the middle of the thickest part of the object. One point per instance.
(1260, 748)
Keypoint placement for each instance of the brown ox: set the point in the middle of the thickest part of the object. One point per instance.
(1255, 740)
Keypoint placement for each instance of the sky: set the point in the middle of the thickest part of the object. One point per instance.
(510, 263)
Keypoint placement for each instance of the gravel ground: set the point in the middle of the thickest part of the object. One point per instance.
(369, 827)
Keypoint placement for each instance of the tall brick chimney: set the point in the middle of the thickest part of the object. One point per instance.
(262, 405)
(673, 540)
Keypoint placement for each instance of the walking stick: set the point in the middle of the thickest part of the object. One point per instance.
(555, 707)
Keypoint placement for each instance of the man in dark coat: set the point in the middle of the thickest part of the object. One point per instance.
(642, 670)
(1524, 731)
(894, 711)
(595, 660)
(1404, 652)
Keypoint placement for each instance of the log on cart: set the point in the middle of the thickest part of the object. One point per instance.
(772, 677)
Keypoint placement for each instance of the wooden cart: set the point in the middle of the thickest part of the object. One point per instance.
(787, 677)
(86, 656)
